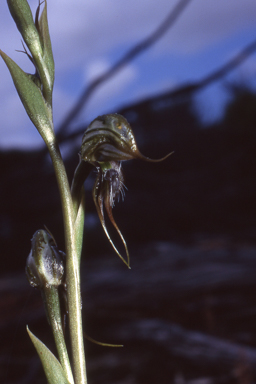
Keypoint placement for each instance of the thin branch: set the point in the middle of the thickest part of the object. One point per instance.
(230, 65)
(190, 89)
(127, 58)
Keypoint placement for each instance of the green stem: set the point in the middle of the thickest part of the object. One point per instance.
(72, 267)
(81, 173)
(79, 226)
(52, 303)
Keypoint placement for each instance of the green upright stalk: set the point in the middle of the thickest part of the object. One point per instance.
(51, 299)
(72, 268)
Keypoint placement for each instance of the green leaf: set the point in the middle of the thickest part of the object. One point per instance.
(32, 99)
(52, 368)
(22, 15)
(37, 39)
(47, 46)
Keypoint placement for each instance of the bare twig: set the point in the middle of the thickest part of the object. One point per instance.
(127, 58)
(190, 89)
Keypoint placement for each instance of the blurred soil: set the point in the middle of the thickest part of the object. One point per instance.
(184, 314)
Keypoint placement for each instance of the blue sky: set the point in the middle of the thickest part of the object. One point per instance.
(88, 36)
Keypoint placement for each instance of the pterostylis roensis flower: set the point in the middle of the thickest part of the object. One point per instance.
(107, 142)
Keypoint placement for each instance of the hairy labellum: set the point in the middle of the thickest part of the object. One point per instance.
(113, 183)
(107, 188)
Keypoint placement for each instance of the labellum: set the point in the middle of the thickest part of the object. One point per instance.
(107, 188)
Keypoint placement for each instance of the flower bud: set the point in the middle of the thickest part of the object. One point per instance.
(45, 263)
(45, 270)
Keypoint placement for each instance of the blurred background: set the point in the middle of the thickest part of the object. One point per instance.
(183, 74)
